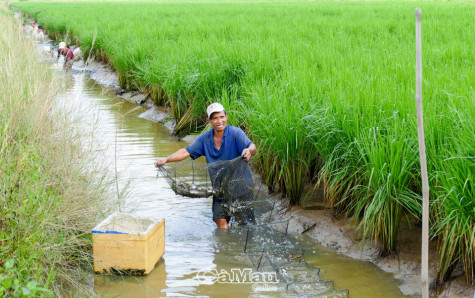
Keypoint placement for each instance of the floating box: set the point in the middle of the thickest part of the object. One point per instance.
(126, 244)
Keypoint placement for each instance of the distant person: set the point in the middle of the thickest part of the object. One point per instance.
(47, 54)
(38, 34)
(222, 142)
(31, 28)
(77, 53)
(68, 56)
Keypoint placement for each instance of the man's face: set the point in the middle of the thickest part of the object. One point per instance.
(218, 121)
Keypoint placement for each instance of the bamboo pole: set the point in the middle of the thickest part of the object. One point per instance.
(90, 50)
(423, 160)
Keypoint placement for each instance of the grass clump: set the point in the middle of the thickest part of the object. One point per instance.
(48, 197)
(454, 175)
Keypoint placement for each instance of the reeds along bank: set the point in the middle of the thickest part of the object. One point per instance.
(326, 89)
(46, 207)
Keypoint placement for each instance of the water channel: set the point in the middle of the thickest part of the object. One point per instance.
(129, 144)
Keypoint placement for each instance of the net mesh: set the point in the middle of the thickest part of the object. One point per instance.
(230, 181)
(256, 220)
(189, 178)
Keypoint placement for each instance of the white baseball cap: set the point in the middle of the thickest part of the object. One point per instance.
(62, 45)
(213, 108)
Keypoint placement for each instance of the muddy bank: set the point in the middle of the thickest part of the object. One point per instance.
(103, 74)
(340, 234)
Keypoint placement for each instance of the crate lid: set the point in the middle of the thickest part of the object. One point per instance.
(123, 223)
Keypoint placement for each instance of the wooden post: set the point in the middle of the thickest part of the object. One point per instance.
(423, 159)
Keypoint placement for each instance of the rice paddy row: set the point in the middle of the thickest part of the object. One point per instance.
(326, 90)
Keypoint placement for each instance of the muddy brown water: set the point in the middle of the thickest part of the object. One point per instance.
(128, 145)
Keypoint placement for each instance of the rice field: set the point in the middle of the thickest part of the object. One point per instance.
(325, 89)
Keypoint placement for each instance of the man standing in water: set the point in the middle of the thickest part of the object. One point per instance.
(38, 35)
(223, 142)
(68, 56)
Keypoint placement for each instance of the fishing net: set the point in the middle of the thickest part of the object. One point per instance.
(229, 181)
(256, 221)
(189, 178)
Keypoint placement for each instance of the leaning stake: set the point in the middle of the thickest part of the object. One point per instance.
(422, 153)
(90, 50)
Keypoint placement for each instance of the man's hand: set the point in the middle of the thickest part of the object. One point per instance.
(246, 154)
(160, 162)
(180, 155)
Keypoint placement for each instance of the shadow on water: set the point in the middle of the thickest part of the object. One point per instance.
(193, 246)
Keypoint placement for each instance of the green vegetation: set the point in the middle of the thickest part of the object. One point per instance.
(326, 90)
(48, 198)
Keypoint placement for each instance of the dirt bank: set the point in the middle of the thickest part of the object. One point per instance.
(104, 75)
(340, 234)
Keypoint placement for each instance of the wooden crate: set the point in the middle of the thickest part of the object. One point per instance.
(118, 251)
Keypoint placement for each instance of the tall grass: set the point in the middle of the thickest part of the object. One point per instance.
(454, 170)
(49, 197)
(326, 89)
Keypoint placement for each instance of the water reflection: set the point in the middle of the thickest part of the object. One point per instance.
(128, 286)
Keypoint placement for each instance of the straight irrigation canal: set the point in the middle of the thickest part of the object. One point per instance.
(194, 249)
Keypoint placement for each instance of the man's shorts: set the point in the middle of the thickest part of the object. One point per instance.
(68, 64)
(242, 217)
(218, 210)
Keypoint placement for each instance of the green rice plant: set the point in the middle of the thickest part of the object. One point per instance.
(455, 215)
(385, 189)
(455, 219)
(282, 143)
(339, 170)
(369, 176)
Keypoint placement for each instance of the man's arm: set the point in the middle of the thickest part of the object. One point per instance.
(249, 152)
(177, 156)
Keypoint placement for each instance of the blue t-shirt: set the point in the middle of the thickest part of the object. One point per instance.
(234, 142)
